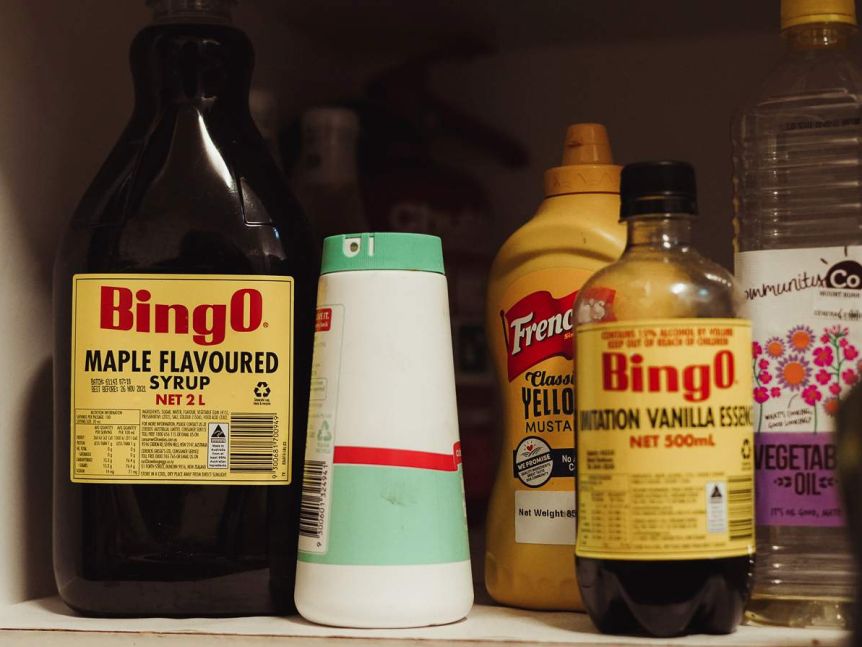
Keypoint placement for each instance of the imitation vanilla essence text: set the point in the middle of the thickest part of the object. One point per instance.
(184, 303)
(665, 475)
(534, 281)
(798, 208)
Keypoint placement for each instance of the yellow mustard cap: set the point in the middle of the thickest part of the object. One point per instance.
(588, 166)
(802, 12)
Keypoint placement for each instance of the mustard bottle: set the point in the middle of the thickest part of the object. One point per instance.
(531, 526)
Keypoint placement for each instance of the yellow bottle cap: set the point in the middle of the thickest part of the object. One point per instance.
(588, 166)
(802, 12)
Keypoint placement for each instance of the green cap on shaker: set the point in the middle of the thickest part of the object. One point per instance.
(382, 251)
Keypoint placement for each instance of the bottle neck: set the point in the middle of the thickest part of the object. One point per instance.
(202, 64)
(659, 232)
(212, 11)
(822, 35)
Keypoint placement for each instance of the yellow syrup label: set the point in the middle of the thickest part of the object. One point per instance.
(181, 379)
(536, 334)
(665, 443)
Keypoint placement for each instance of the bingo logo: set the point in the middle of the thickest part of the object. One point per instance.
(696, 381)
(207, 323)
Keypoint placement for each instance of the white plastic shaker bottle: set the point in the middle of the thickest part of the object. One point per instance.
(383, 528)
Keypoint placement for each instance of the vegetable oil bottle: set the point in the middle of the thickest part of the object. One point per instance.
(798, 210)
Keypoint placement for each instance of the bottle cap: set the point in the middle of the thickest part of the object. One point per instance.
(588, 165)
(801, 12)
(657, 187)
(382, 251)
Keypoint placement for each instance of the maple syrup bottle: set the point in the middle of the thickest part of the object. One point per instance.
(184, 304)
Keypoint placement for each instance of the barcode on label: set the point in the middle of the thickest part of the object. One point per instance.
(740, 507)
(312, 510)
(252, 442)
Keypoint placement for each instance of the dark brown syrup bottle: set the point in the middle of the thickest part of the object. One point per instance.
(190, 191)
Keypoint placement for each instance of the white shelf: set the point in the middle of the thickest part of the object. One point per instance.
(49, 622)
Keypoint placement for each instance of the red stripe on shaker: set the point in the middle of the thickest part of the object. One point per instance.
(398, 458)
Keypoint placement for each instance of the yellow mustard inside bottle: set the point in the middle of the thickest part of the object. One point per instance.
(534, 281)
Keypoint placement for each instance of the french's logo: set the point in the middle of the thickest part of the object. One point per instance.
(537, 328)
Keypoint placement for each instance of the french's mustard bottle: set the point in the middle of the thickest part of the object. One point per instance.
(533, 284)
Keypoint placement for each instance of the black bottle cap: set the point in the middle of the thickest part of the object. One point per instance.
(657, 187)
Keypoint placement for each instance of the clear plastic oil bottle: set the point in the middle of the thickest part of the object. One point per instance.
(798, 210)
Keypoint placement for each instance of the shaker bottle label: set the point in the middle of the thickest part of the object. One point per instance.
(806, 310)
(181, 379)
(320, 444)
(665, 453)
(537, 323)
(372, 505)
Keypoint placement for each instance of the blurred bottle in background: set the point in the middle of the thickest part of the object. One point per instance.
(413, 192)
(417, 177)
(264, 111)
(798, 210)
(325, 180)
(414, 153)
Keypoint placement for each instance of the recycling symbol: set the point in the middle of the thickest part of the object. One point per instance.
(262, 390)
(746, 449)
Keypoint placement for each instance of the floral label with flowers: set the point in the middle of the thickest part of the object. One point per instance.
(806, 310)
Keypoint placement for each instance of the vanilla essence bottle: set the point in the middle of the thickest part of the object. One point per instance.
(665, 542)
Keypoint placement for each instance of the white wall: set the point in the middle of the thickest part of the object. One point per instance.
(64, 95)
